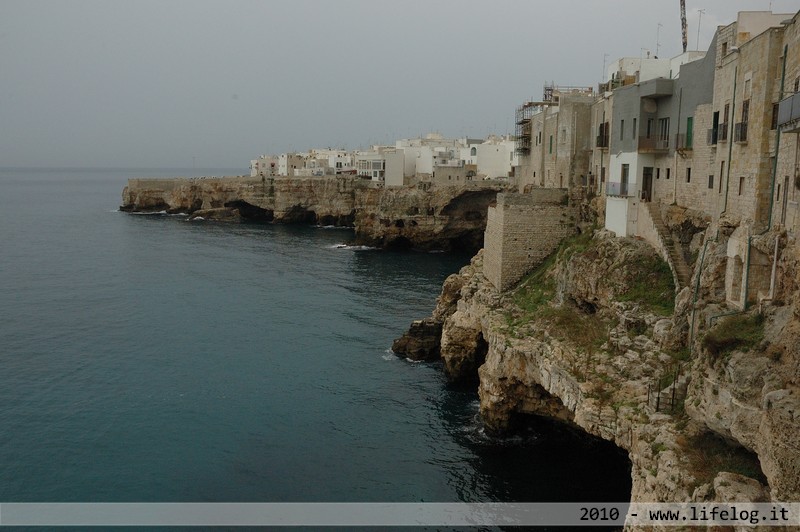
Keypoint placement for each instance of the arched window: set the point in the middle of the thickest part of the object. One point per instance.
(474, 151)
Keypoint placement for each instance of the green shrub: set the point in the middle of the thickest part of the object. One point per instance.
(652, 287)
(709, 454)
(742, 332)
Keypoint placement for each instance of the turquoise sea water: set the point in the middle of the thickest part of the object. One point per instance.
(147, 358)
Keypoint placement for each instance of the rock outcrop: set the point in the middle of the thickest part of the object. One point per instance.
(423, 217)
(588, 339)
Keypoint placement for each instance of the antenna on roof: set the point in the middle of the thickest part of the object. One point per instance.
(683, 24)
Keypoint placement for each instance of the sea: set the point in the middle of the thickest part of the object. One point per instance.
(149, 358)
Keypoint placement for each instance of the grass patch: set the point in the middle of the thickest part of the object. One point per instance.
(742, 331)
(533, 296)
(709, 454)
(538, 288)
(657, 448)
(568, 323)
(653, 287)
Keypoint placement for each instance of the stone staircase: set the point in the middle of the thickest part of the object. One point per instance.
(677, 262)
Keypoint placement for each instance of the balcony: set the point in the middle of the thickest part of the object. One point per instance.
(683, 141)
(711, 137)
(656, 88)
(653, 145)
(723, 132)
(740, 132)
(789, 114)
(618, 189)
(602, 141)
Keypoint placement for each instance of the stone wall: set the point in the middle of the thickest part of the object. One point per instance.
(523, 229)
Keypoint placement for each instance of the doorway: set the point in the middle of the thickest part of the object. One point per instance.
(647, 184)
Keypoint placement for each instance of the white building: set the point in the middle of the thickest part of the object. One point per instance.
(265, 165)
(371, 164)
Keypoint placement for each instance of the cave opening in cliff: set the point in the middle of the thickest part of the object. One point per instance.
(399, 243)
(251, 212)
(561, 462)
(300, 215)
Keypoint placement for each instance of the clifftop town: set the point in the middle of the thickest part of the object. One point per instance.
(639, 271)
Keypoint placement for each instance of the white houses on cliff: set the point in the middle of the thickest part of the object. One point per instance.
(432, 158)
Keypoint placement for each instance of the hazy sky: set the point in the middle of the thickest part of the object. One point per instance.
(216, 83)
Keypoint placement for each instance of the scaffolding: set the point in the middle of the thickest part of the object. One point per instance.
(527, 110)
(523, 131)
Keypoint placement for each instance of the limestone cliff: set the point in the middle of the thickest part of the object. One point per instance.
(423, 216)
(597, 338)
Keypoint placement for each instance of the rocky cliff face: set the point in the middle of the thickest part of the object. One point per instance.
(422, 217)
(591, 339)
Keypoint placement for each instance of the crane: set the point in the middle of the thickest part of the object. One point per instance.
(683, 24)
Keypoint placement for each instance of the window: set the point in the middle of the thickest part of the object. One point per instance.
(688, 174)
(741, 185)
(551, 143)
(774, 122)
(621, 129)
(474, 151)
(668, 169)
(721, 174)
(633, 136)
(689, 131)
(649, 127)
(663, 128)
(740, 129)
(658, 173)
(723, 127)
(711, 181)
(623, 186)
(724, 49)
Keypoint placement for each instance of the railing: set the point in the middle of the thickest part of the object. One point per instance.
(711, 137)
(653, 144)
(723, 132)
(618, 189)
(667, 393)
(683, 141)
(602, 141)
(789, 109)
(740, 132)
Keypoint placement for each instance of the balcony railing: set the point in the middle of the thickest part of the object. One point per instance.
(789, 113)
(653, 144)
(618, 189)
(711, 137)
(683, 141)
(740, 132)
(723, 132)
(602, 141)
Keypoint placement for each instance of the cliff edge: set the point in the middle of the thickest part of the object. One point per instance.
(703, 398)
(423, 216)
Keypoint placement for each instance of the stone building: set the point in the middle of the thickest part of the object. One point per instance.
(750, 54)
(553, 138)
(787, 173)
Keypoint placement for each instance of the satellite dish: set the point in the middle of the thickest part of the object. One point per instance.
(649, 105)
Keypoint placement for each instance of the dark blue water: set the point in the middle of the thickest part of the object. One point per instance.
(147, 358)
